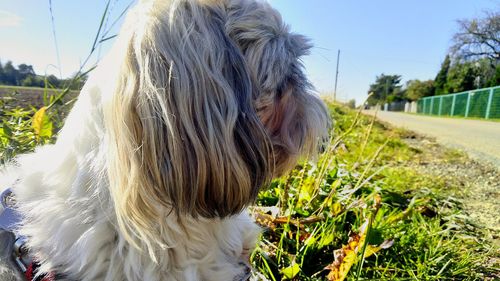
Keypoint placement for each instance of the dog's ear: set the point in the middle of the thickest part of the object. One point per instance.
(296, 119)
(183, 133)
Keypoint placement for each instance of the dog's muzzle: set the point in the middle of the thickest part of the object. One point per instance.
(246, 274)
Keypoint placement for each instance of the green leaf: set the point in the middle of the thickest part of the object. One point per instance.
(7, 131)
(310, 241)
(326, 240)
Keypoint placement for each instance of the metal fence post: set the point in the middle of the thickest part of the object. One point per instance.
(467, 106)
(432, 106)
(453, 105)
(488, 106)
(440, 105)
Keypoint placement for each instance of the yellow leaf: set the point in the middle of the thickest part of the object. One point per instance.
(291, 271)
(336, 208)
(264, 220)
(346, 257)
(370, 249)
(38, 120)
(306, 191)
(41, 124)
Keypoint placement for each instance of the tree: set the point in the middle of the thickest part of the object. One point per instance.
(461, 77)
(53, 81)
(442, 77)
(10, 74)
(28, 81)
(416, 89)
(24, 75)
(32, 81)
(1, 73)
(478, 38)
(495, 79)
(24, 71)
(387, 88)
(486, 74)
(351, 103)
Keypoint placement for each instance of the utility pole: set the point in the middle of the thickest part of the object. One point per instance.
(336, 77)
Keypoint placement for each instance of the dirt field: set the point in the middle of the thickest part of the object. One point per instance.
(27, 96)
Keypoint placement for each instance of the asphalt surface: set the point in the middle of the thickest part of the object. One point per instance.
(480, 139)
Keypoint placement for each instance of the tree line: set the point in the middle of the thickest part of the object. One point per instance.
(24, 75)
(473, 62)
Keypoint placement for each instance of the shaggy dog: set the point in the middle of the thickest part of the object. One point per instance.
(198, 105)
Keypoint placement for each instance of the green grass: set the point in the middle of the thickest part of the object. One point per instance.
(431, 237)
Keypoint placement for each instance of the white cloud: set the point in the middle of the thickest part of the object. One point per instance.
(8, 19)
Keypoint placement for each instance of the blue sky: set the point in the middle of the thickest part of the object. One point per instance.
(406, 37)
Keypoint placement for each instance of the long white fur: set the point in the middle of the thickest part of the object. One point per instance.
(63, 190)
(63, 195)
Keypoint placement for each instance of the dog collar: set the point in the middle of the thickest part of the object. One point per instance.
(23, 261)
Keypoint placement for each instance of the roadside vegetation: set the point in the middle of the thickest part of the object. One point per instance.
(365, 211)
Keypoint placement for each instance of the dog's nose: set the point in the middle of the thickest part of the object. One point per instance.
(322, 148)
(323, 145)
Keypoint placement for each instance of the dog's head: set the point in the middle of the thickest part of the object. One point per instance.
(211, 102)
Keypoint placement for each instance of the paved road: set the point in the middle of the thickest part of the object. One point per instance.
(480, 139)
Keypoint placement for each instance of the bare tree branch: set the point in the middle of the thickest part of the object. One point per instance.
(478, 38)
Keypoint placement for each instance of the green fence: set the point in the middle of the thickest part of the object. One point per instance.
(481, 103)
